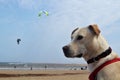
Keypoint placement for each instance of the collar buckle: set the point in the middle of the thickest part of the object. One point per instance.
(95, 59)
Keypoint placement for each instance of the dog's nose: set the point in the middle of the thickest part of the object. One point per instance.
(65, 49)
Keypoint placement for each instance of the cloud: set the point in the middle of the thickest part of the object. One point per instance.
(82, 12)
(25, 4)
(30, 4)
(87, 12)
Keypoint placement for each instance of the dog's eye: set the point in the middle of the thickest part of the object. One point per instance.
(79, 37)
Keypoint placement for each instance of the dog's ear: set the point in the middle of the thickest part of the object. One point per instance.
(94, 29)
(74, 31)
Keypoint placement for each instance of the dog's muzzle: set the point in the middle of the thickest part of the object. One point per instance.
(66, 51)
(69, 54)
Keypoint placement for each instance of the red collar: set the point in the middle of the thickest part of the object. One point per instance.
(94, 73)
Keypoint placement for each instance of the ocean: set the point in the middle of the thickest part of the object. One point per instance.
(40, 66)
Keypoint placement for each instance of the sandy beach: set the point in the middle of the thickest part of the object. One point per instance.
(44, 74)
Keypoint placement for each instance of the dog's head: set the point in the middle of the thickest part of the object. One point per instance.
(82, 40)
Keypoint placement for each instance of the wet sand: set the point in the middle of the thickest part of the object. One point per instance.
(44, 74)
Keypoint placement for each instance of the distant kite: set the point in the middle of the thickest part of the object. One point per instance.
(43, 12)
(18, 41)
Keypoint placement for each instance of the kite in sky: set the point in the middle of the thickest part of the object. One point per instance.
(18, 41)
(43, 12)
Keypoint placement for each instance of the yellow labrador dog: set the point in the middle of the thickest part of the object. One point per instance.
(88, 43)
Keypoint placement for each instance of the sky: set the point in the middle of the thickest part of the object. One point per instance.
(42, 38)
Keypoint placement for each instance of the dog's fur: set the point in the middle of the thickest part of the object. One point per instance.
(87, 42)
